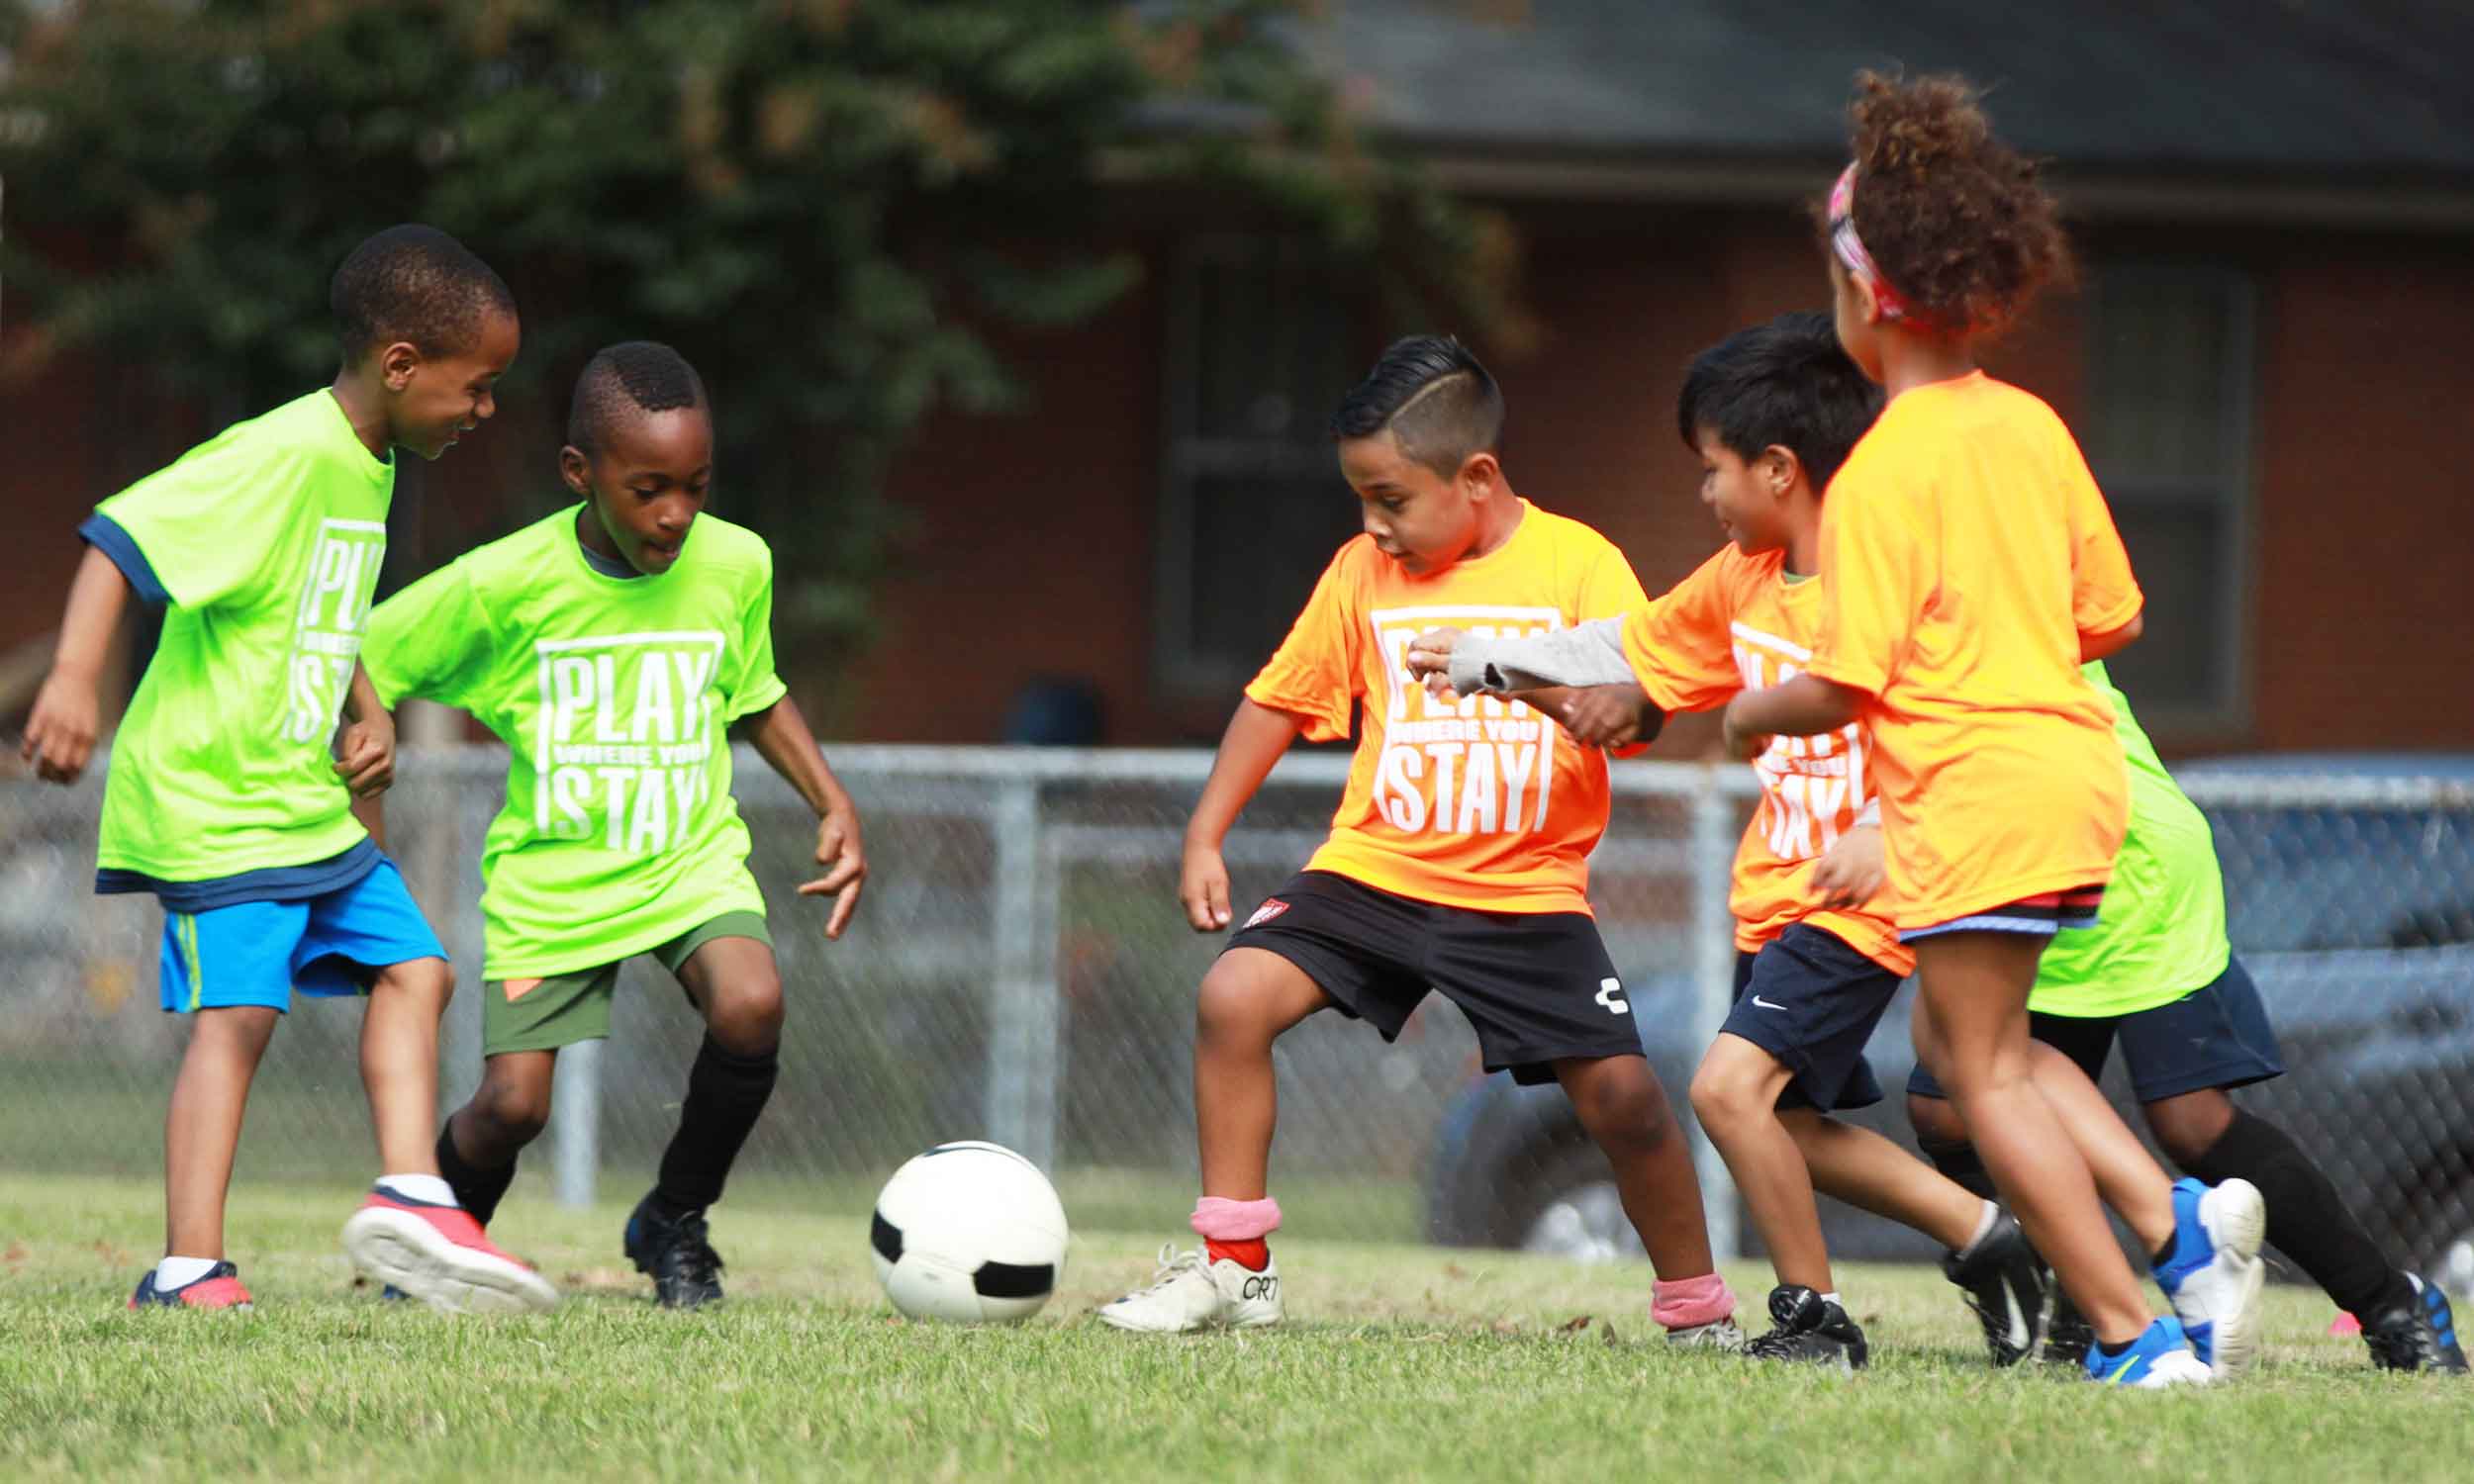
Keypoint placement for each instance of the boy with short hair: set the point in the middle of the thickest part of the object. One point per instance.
(613, 645)
(223, 797)
(1458, 860)
(1771, 411)
(2159, 976)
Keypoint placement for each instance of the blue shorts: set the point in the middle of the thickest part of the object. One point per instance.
(260, 952)
(2216, 1035)
(1811, 1001)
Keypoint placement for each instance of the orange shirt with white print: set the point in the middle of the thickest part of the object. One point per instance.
(1479, 803)
(1740, 623)
(1964, 551)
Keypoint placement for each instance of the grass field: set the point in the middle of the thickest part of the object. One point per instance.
(1399, 1363)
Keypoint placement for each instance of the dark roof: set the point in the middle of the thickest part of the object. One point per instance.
(2249, 88)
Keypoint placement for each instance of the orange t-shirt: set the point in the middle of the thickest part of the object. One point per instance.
(1964, 551)
(1739, 623)
(1479, 803)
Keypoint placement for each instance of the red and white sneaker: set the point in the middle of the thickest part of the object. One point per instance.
(439, 1255)
(219, 1289)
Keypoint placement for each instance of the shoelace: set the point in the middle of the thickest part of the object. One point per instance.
(1171, 1265)
(2406, 1347)
(1779, 1344)
(691, 1254)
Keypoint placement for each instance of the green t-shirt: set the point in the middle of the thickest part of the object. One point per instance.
(614, 695)
(267, 541)
(2161, 934)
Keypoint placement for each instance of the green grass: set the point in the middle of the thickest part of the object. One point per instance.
(1399, 1363)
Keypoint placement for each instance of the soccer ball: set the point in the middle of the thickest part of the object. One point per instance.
(968, 1231)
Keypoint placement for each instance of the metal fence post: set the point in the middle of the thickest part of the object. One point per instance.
(576, 1123)
(1713, 979)
(1024, 1017)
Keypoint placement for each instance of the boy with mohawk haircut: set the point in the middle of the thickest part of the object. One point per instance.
(1457, 861)
(612, 646)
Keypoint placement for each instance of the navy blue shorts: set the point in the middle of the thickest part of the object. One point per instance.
(2216, 1035)
(1810, 1000)
(1536, 987)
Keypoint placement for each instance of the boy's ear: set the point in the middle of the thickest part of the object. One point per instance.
(397, 361)
(1482, 471)
(576, 470)
(1780, 469)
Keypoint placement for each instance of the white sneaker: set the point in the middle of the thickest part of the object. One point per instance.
(1191, 1293)
(2173, 1369)
(1716, 1334)
(2217, 1276)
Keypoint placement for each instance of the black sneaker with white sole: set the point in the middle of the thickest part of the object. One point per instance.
(1809, 1328)
(2003, 1284)
(674, 1251)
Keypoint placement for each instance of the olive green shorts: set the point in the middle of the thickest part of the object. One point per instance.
(519, 1015)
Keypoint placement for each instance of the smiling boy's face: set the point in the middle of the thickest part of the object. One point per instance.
(647, 482)
(1746, 495)
(437, 399)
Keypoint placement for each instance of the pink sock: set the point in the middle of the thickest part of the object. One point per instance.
(1688, 1302)
(1223, 1219)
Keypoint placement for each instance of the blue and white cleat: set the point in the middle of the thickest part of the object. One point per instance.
(2160, 1357)
(2215, 1275)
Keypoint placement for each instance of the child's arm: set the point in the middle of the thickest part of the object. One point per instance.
(1257, 735)
(365, 756)
(60, 732)
(784, 741)
(2106, 645)
(1801, 707)
(1578, 674)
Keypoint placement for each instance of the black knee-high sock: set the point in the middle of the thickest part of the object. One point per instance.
(725, 1091)
(477, 1190)
(1962, 1164)
(2306, 1219)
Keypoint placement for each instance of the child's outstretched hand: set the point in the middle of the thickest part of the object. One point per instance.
(1605, 715)
(365, 759)
(60, 732)
(1852, 871)
(1430, 659)
(1202, 886)
(845, 866)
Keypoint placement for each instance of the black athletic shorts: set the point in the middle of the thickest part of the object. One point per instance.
(2216, 1035)
(1812, 1001)
(1536, 987)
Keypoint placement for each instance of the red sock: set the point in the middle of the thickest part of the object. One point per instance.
(1254, 1255)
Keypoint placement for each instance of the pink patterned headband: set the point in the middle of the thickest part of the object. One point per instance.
(1851, 249)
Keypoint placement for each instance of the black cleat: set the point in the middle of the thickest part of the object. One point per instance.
(673, 1252)
(2004, 1285)
(2067, 1335)
(1811, 1328)
(2421, 1335)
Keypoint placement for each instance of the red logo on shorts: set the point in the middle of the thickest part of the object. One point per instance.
(1271, 908)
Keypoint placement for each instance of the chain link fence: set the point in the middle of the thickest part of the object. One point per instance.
(1021, 971)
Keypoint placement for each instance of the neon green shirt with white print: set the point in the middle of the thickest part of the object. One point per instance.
(614, 695)
(2160, 933)
(265, 541)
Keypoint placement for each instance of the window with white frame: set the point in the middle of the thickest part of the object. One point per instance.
(2172, 382)
(1262, 346)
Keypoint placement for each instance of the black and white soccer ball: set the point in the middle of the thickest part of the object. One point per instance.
(970, 1233)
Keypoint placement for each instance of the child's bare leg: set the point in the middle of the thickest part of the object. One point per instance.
(1975, 987)
(2127, 1177)
(507, 1110)
(1736, 1094)
(1625, 1110)
(1249, 999)
(399, 1062)
(202, 1130)
(1867, 1171)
